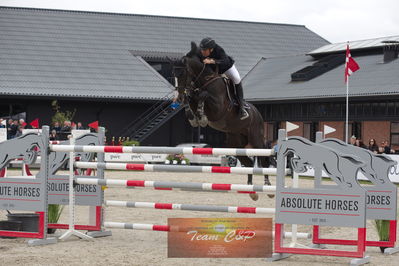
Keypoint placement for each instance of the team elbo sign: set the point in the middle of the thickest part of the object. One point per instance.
(220, 237)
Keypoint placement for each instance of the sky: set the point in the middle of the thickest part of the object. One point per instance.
(334, 20)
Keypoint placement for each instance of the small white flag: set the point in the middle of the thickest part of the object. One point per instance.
(290, 126)
(328, 130)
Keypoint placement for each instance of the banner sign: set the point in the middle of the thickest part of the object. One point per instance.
(323, 207)
(220, 237)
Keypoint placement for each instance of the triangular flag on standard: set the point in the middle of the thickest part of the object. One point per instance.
(328, 130)
(290, 126)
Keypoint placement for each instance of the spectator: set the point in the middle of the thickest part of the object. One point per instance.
(21, 122)
(9, 126)
(65, 130)
(67, 127)
(373, 146)
(53, 135)
(73, 126)
(353, 140)
(79, 126)
(13, 129)
(19, 131)
(56, 127)
(359, 143)
(1, 123)
(386, 148)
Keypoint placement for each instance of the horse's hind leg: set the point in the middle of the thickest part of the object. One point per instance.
(247, 162)
(256, 141)
(239, 141)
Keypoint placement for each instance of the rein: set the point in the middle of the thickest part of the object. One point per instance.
(215, 77)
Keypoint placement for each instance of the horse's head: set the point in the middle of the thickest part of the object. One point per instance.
(188, 71)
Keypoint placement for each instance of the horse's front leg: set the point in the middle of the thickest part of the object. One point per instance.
(192, 118)
(203, 119)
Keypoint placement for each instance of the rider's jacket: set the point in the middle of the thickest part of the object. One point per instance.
(221, 59)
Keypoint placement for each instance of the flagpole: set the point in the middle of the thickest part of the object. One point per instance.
(350, 67)
(347, 110)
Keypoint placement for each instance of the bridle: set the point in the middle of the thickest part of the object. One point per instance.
(192, 84)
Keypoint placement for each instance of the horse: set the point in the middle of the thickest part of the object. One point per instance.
(204, 94)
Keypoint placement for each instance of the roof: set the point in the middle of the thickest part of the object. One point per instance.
(88, 54)
(270, 80)
(355, 45)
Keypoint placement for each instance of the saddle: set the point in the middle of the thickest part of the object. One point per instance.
(231, 92)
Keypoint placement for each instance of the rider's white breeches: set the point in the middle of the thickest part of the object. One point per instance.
(233, 74)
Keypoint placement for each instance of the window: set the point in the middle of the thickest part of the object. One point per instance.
(163, 68)
(310, 129)
(159, 61)
(354, 129)
(395, 133)
(272, 131)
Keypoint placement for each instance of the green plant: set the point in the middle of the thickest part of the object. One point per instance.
(60, 116)
(382, 227)
(54, 212)
(131, 143)
(177, 157)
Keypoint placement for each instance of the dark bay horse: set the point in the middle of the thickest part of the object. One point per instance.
(206, 102)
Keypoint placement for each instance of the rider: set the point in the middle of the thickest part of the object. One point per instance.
(212, 53)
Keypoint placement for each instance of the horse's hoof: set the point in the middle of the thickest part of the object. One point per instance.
(193, 123)
(254, 196)
(267, 183)
(203, 122)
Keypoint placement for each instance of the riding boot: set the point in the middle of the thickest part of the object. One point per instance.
(240, 94)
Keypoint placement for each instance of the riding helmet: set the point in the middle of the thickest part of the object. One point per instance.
(207, 43)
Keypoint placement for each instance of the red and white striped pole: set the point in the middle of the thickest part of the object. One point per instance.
(179, 168)
(180, 185)
(163, 150)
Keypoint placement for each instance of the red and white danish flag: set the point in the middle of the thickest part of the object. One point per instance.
(350, 64)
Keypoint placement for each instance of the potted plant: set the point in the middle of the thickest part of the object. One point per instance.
(131, 143)
(177, 159)
(382, 227)
(54, 213)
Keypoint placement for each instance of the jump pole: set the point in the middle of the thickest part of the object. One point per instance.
(179, 168)
(180, 185)
(167, 228)
(163, 150)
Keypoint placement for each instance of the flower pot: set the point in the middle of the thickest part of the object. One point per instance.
(51, 230)
(30, 221)
(10, 226)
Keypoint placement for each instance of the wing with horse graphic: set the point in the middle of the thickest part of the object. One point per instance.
(25, 147)
(59, 159)
(341, 168)
(376, 166)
